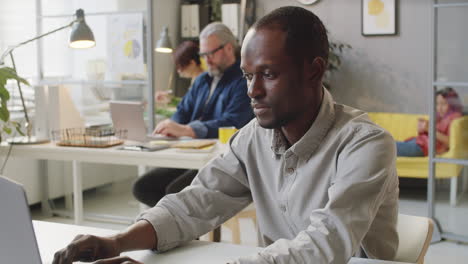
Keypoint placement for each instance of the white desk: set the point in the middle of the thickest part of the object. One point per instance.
(52, 237)
(169, 158)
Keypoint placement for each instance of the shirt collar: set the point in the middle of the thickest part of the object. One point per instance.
(306, 146)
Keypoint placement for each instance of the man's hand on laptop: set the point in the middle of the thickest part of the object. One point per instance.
(90, 248)
(173, 129)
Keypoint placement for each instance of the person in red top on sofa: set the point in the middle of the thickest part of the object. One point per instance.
(449, 107)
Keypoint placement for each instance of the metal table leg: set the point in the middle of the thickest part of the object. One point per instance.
(142, 169)
(77, 192)
(44, 182)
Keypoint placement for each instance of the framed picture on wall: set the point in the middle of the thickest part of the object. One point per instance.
(379, 17)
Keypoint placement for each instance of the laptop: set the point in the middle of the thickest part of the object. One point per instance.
(18, 242)
(128, 115)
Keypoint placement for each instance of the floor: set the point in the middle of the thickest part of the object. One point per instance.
(116, 199)
(453, 219)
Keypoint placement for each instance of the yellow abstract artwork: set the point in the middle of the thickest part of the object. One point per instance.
(378, 17)
(383, 19)
(375, 7)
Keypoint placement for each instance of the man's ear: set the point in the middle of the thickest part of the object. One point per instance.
(229, 47)
(315, 69)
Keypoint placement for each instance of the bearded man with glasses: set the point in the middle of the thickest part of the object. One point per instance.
(218, 98)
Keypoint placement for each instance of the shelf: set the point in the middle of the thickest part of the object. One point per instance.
(453, 161)
(133, 87)
(94, 14)
(451, 5)
(453, 84)
(88, 82)
(433, 160)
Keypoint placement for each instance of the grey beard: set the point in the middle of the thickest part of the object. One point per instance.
(218, 71)
(215, 72)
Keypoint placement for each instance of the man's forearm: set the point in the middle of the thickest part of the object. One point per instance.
(140, 235)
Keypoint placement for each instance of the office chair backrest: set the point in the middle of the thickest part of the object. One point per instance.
(414, 233)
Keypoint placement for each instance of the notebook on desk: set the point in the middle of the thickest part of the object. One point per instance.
(18, 242)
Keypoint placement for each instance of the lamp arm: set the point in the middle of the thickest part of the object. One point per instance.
(9, 51)
(26, 116)
(11, 48)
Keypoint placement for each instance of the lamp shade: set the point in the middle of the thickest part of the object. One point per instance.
(164, 43)
(81, 36)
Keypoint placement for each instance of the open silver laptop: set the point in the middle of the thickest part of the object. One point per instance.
(128, 116)
(18, 242)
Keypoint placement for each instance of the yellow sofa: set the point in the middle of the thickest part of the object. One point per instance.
(403, 126)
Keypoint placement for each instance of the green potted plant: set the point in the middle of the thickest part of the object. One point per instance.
(336, 49)
(7, 125)
(164, 111)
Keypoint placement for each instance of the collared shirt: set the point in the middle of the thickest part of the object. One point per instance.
(213, 85)
(318, 201)
(228, 105)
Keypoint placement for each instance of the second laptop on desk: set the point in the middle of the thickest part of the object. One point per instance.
(127, 115)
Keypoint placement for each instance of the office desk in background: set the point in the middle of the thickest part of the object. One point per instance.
(169, 158)
(52, 237)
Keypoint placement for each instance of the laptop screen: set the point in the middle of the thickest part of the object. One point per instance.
(129, 116)
(17, 239)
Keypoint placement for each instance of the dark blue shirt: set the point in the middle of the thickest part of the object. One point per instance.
(228, 106)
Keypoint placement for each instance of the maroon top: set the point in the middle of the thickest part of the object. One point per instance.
(442, 126)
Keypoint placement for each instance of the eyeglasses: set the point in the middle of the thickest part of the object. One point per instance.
(210, 54)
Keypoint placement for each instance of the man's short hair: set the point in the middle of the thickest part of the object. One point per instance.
(306, 36)
(185, 52)
(222, 32)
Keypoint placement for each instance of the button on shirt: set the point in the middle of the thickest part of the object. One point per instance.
(318, 201)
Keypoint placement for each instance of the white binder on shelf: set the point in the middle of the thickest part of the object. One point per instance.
(194, 21)
(230, 17)
(185, 23)
(190, 24)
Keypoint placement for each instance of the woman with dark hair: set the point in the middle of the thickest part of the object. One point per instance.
(188, 65)
(449, 107)
(187, 60)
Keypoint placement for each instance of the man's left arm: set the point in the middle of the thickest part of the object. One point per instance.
(219, 191)
(362, 208)
(238, 112)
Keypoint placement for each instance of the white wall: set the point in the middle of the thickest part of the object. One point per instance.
(385, 73)
(165, 13)
(15, 28)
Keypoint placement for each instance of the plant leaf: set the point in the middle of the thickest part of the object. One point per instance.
(18, 128)
(4, 113)
(4, 94)
(7, 73)
(10, 73)
(7, 130)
